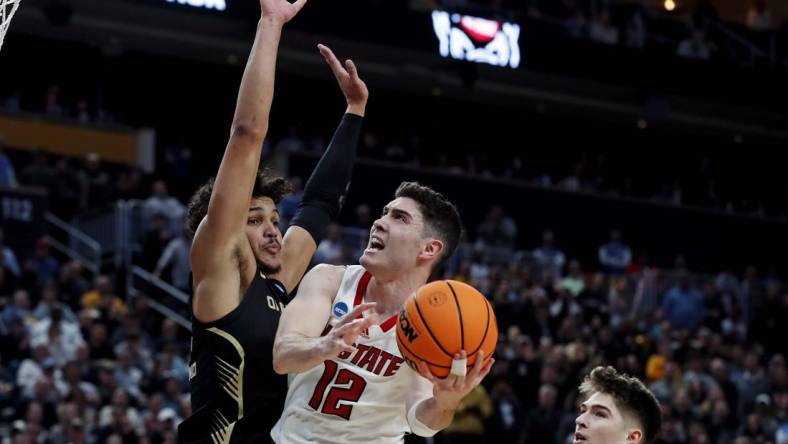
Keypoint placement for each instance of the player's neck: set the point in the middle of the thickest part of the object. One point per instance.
(390, 295)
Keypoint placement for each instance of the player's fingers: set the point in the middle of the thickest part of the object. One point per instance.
(477, 366)
(332, 60)
(459, 364)
(351, 69)
(298, 5)
(360, 308)
(356, 313)
(484, 372)
(347, 328)
(424, 370)
(345, 347)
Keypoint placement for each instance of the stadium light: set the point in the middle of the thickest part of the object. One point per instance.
(670, 5)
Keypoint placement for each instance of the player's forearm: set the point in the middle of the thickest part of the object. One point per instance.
(294, 353)
(257, 85)
(435, 415)
(326, 187)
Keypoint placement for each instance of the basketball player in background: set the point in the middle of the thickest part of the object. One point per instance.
(348, 383)
(618, 409)
(243, 267)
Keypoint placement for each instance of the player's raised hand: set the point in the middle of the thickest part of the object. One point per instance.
(448, 392)
(280, 11)
(344, 334)
(354, 89)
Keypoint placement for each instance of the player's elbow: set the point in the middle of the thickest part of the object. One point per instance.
(280, 364)
(247, 130)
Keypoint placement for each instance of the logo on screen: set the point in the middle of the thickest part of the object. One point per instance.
(219, 5)
(463, 37)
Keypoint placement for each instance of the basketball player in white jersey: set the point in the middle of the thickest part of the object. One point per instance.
(337, 339)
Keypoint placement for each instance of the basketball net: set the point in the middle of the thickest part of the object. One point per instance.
(7, 10)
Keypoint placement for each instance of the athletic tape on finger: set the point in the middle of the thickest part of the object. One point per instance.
(459, 367)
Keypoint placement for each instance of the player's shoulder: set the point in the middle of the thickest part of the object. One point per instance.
(328, 270)
(326, 275)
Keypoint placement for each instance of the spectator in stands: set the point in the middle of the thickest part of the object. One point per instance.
(160, 202)
(47, 267)
(576, 23)
(176, 257)
(72, 284)
(103, 298)
(157, 237)
(507, 420)
(52, 106)
(548, 258)
(363, 217)
(82, 113)
(468, 424)
(18, 309)
(497, 234)
(129, 184)
(61, 336)
(331, 248)
(10, 262)
(696, 46)
(7, 171)
(39, 173)
(289, 204)
(759, 17)
(683, 304)
(573, 282)
(95, 183)
(615, 256)
(66, 196)
(636, 30)
(541, 424)
(50, 301)
(602, 31)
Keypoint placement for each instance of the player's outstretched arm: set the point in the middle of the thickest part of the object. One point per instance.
(220, 247)
(330, 180)
(431, 415)
(299, 345)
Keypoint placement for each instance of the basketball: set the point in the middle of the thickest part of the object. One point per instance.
(442, 318)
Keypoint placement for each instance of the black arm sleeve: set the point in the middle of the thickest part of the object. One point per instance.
(325, 190)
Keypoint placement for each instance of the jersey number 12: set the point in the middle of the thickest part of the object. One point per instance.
(353, 387)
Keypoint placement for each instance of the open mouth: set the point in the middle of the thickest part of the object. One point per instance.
(375, 244)
(579, 437)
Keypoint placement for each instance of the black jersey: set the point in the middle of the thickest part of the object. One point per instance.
(236, 395)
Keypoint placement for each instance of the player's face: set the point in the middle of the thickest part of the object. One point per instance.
(262, 229)
(396, 237)
(601, 422)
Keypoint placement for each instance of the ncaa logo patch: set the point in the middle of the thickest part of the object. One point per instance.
(340, 309)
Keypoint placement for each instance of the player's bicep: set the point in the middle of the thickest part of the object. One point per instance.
(308, 313)
(232, 188)
(298, 247)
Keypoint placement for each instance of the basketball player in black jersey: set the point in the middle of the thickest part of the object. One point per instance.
(243, 268)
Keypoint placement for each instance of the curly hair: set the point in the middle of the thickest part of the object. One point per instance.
(630, 395)
(266, 185)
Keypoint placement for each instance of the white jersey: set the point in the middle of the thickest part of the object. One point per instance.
(357, 397)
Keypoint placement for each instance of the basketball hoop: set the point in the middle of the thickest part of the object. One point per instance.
(7, 10)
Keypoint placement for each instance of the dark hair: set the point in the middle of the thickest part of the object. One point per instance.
(441, 217)
(266, 185)
(630, 395)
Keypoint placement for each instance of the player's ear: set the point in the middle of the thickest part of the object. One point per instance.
(634, 436)
(432, 249)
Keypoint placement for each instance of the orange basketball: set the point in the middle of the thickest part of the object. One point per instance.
(442, 318)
